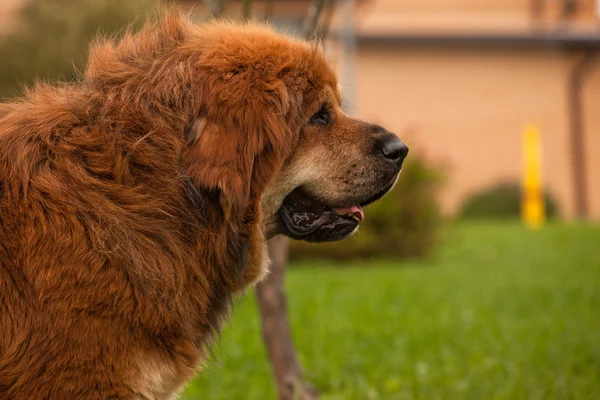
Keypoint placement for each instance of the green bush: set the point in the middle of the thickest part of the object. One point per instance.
(501, 201)
(404, 223)
(53, 39)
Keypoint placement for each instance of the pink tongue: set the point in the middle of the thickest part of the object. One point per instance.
(356, 210)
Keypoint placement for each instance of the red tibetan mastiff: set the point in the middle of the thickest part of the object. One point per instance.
(135, 203)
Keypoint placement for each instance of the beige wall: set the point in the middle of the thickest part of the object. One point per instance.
(592, 129)
(466, 108)
(386, 16)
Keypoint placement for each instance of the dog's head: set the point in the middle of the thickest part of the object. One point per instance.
(273, 131)
(339, 166)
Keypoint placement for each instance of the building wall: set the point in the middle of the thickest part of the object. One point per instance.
(591, 98)
(466, 109)
(384, 16)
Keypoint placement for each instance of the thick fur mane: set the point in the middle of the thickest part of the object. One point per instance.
(115, 204)
(95, 168)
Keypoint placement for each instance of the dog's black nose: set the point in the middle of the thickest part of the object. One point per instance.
(394, 150)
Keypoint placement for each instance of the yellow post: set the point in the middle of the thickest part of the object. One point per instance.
(532, 199)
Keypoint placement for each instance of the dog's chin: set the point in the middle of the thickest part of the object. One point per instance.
(303, 217)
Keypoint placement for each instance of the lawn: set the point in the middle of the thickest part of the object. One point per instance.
(499, 312)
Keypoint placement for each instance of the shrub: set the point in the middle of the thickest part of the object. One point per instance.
(404, 223)
(53, 39)
(501, 201)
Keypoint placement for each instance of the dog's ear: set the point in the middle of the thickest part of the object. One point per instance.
(247, 129)
(215, 159)
(238, 162)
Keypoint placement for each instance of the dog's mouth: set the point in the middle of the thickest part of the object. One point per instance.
(303, 217)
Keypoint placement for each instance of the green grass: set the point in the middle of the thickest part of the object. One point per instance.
(499, 312)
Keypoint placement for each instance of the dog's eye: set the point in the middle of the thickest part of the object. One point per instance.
(322, 117)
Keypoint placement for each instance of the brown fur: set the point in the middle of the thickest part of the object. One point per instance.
(120, 244)
(132, 201)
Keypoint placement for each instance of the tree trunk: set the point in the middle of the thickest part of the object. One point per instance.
(276, 329)
(311, 21)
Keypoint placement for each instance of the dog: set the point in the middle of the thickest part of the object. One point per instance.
(135, 203)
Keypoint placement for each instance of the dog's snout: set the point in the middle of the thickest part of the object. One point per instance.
(393, 149)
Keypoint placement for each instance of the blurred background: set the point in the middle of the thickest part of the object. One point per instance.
(478, 277)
